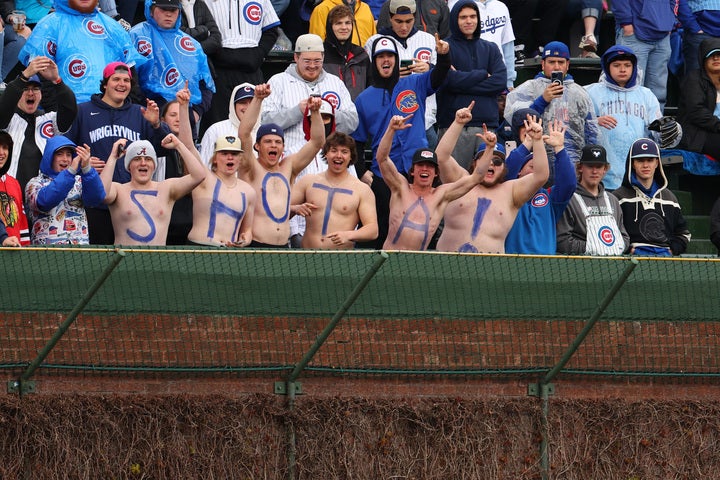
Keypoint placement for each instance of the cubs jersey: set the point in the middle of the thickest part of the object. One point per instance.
(242, 22)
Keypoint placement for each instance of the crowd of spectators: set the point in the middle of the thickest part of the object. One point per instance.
(151, 123)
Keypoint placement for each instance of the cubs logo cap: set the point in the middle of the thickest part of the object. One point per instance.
(384, 44)
(644, 148)
(245, 90)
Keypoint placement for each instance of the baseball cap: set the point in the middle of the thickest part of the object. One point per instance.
(166, 4)
(644, 148)
(269, 129)
(309, 42)
(402, 6)
(424, 155)
(113, 67)
(228, 144)
(325, 108)
(499, 149)
(593, 154)
(556, 49)
(139, 148)
(246, 90)
(34, 79)
(712, 52)
(519, 117)
(384, 44)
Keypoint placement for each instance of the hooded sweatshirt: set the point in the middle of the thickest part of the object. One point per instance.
(633, 106)
(173, 57)
(226, 127)
(56, 200)
(572, 230)
(12, 213)
(349, 61)
(81, 44)
(289, 89)
(697, 104)
(478, 74)
(652, 217)
(100, 125)
(397, 96)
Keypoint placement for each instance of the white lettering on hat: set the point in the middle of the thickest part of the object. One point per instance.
(426, 154)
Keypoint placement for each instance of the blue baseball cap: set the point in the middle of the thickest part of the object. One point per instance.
(269, 129)
(498, 150)
(556, 49)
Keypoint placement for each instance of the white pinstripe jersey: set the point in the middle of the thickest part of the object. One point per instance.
(288, 90)
(419, 45)
(45, 127)
(242, 22)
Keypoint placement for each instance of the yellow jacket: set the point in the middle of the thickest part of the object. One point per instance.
(363, 24)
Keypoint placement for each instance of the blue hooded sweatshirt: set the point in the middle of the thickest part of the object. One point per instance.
(56, 201)
(172, 58)
(81, 44)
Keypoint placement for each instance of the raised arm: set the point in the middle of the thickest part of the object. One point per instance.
(453, 191)
(179, 187)
(305, 155)
(524, 188)
(450, 170)
(185, 134)
(389, 171)
(107, 173)
(248, 159)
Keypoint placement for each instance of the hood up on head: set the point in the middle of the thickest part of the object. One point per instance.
(454, 28)
(53, 145)
(385, 44)
(642, 145)
(619, 52)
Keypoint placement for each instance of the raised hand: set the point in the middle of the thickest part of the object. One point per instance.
(441, 46)
(464, 115)
(556, 134)
(398, 122)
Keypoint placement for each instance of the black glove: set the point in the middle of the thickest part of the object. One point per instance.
(670, 131)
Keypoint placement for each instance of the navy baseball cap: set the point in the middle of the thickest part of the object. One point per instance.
(644, 148)
(269, 129)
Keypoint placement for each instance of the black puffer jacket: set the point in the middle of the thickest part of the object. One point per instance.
(697, 103)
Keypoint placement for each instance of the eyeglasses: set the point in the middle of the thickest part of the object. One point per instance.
(31, 89)
(307, 62)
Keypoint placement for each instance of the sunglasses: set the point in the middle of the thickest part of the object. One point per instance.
(495, 160)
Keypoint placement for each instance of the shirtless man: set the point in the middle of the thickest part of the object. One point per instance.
(271, 175)
(140, 209)
(480, 220)
(223, 205)
(341, 200)
(416, 208)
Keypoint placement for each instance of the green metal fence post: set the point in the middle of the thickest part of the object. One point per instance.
(544, 388)
(291, 385)
(23, 385)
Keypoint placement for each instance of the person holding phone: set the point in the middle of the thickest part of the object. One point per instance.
(554, 94)
(416, 50)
